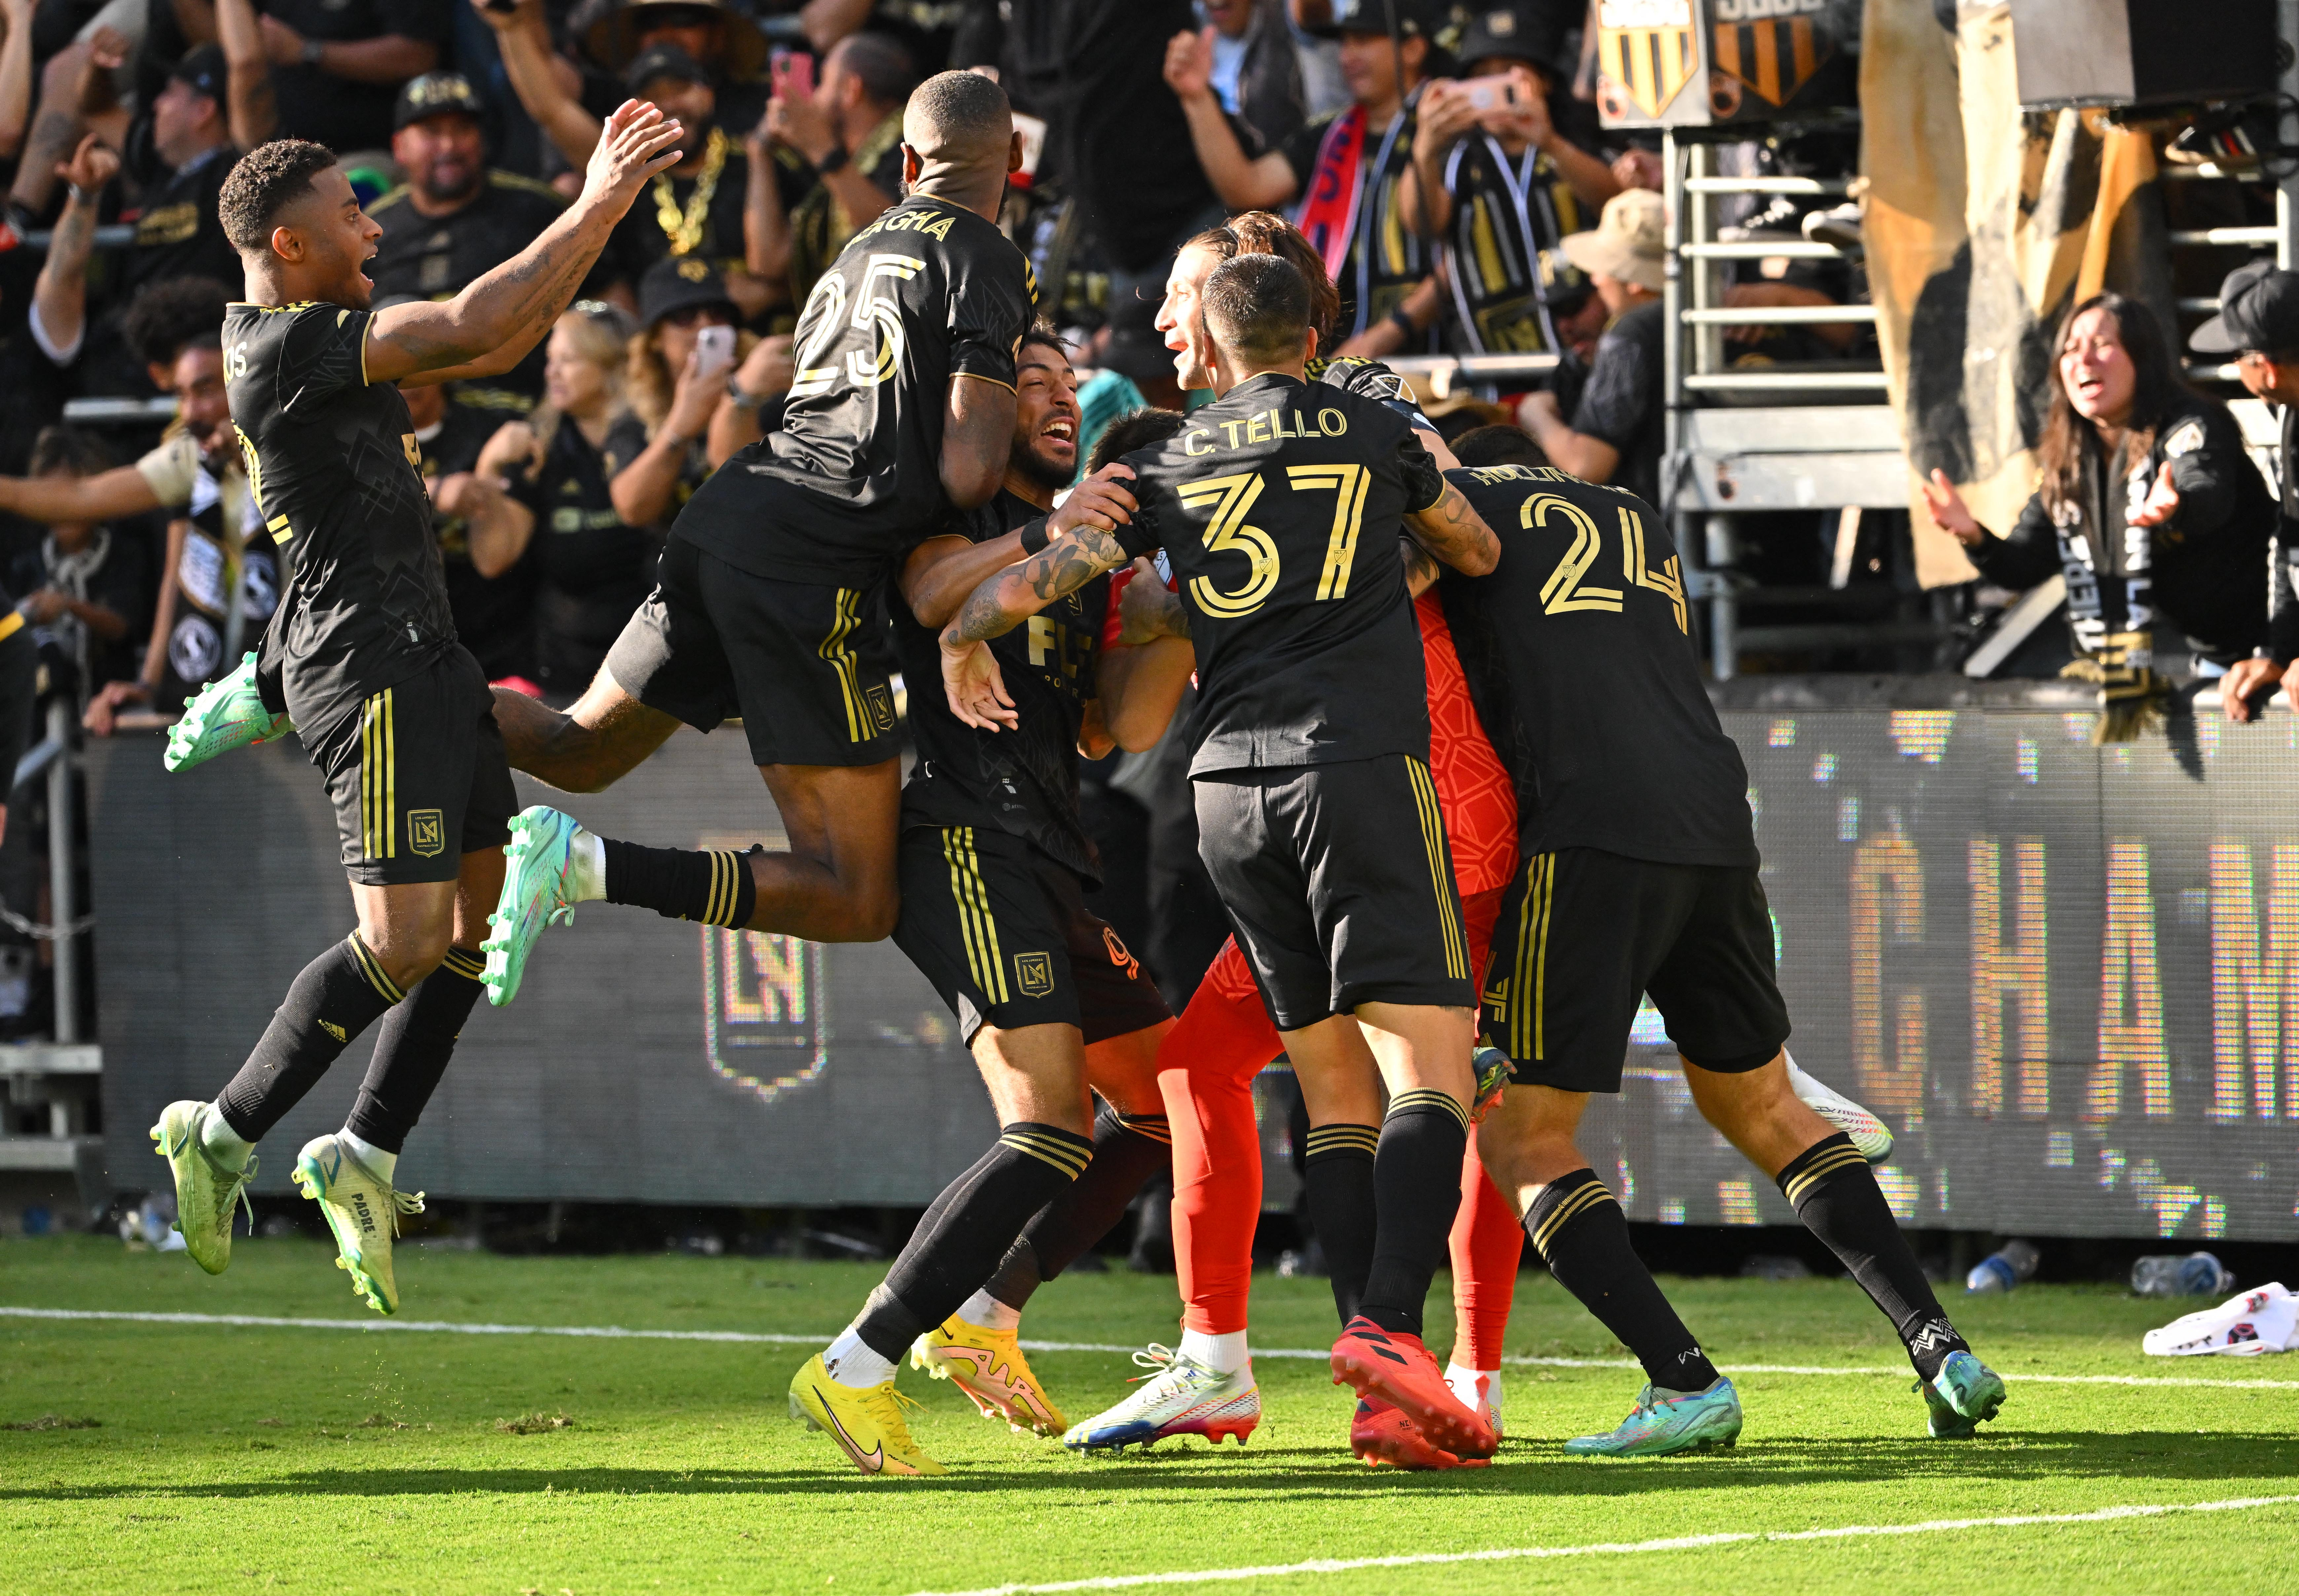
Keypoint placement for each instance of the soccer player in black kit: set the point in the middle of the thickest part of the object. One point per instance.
(1279, 506)
(395, 712)
(766, 600)
(994, 863)
(1638, 874)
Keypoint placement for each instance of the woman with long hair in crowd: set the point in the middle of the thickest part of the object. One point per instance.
(551, 488)
(2147, 503)
(696, 411)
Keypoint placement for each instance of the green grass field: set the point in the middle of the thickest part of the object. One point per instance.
(235, 1458)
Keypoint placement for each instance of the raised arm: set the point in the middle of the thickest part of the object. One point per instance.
(944, 571)
(1243, 184)
(109, 495)
(1452, 530)
(523, 38)
(766, 226)
(15, 76)
(59, 295)
(490, 326)
(249, 105)
(389, 58)
(977, 435)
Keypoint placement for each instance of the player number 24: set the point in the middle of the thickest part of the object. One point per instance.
(1569, 588)
(1232, 498)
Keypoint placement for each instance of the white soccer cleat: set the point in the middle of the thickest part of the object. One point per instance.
(1180, 1396)
(1868, 1133)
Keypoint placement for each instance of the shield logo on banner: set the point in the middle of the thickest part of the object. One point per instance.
(1774, 57)
(1646, 47)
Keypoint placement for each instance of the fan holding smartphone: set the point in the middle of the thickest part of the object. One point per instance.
(847, 127)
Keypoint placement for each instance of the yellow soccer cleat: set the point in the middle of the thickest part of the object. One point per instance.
(988, 1365)
(866, 1422)
(362, 1209)
(205, 1191)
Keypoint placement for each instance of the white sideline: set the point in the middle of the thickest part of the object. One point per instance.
(822, 1338)
(1119, 1582)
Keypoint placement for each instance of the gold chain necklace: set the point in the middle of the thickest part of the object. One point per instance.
(686, 231)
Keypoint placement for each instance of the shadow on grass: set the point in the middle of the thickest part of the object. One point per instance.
(2043, 1458)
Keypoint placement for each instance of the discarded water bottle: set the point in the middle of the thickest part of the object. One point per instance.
(2197, 1274)
(2003, 1268)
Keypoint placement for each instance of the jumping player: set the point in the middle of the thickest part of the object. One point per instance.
(1279, 506)
(1638, 874)
(994, 863)
(395, 713)
(765, 605)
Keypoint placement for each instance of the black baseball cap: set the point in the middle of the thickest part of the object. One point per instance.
(2258, 309)
(677, 283)
(204, 69)
(436, 94)
(667, 60)
(1414, 19)
(1526, 33)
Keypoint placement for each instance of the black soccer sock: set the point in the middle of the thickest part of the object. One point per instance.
(412, 1049)
(336, 997)
(1417, 1184)
(1836, 1195)
(1577, 1227)
(1338, 1172)
(714, 888)
(1128, 1150)
(947, 1260)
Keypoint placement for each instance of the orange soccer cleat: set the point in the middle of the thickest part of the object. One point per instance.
(1397, 1369)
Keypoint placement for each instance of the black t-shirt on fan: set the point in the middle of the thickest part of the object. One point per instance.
(853, 481)
(1024, 781)
(1580, 658)
(332, 464)
(494, 615)
(1279, 506)
(596, 570)
(434, 257)
(697, 213)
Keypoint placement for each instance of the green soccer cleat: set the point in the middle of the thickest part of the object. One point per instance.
(535, 862)
(362, 1209)
(1670, 1421)
(1962, 1397)
(1494, 1071)
(220, 717)
(206, 1190)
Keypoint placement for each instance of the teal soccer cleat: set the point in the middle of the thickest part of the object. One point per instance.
(1962, 1397)
(535, 863)
(220, 717)
(1670, 1421)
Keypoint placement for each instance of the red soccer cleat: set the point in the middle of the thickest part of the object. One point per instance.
(1381, 1434)
(1397, 1369)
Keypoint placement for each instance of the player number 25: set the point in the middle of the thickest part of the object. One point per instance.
(876, 310)
(1232, 498)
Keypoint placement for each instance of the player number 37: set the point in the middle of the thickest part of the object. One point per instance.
(1232, 499)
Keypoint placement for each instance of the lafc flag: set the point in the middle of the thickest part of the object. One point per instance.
(1646, 47)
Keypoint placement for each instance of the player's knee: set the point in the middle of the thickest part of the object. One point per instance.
(407, 956)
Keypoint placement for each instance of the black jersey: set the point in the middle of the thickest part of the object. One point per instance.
(332, 461)
(927, 293)
(1024, 781)
(1279, 506)
(1579, 658)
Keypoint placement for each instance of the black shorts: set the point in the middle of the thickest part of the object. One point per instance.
(1004, 934)
(417, 775)
(1585, 934)
(807, 669)
(1339, 884)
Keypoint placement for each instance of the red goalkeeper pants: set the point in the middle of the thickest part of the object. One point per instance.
(1206, 1069)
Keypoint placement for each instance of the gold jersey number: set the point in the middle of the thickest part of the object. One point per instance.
(1232, 500)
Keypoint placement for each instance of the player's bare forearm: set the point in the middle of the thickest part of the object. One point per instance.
(1142, 686)
(1421, 569)
(1455, 533)
(938, 578)
(491, 325)
(977, 435)
(1014, 595)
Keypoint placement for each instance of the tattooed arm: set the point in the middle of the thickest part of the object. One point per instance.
(969, 671)
(1452, 530)
(1421, 567)
(490, 326)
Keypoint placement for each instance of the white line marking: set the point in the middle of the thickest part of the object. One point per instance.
(822, 1338)
(1118, 1582)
